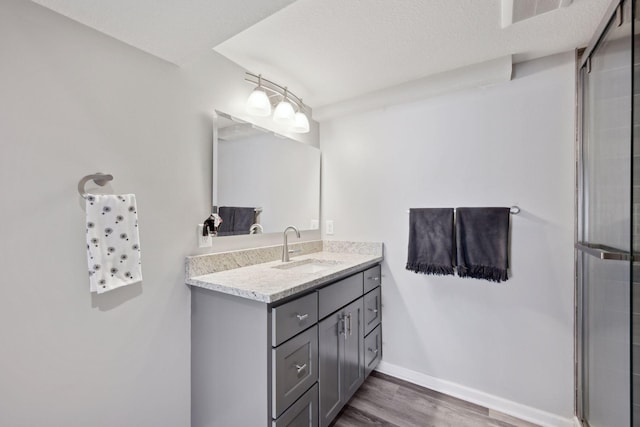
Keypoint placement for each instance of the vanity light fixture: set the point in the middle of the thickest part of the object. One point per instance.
(290, 111)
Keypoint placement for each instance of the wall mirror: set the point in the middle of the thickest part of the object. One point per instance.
(262, 182)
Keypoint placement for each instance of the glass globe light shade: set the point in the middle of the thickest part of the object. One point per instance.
(301, 124)
(284, 113)
(258, 103)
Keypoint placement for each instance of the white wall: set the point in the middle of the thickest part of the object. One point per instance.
(73, 102)
(507, 144)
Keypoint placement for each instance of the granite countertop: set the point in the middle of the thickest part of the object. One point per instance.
(265, 283)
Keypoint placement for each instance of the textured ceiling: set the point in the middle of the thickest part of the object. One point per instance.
(327, 51)
(175, 30)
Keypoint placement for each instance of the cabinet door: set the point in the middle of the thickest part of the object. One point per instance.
(330, 342)
(353, 354)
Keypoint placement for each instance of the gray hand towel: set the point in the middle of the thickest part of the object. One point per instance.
(243, 219)
(431, 241)
(482, 241)
(235, 220)
(226, 227)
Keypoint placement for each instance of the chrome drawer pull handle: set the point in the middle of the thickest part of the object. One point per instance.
(342, 322)
(375, 279)
(300, 368)
(373, 351)
(349, 317)
(375, 310)
(301, 317)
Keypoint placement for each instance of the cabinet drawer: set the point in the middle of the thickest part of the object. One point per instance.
(293, 317)
(372, 310)
(335, 296)
(372, 350)
(372, 278)
(295, 369)
(303, 413)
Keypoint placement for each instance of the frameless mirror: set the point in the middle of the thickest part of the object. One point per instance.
(262, 182)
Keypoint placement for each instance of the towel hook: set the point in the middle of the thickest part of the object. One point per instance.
(99, 178)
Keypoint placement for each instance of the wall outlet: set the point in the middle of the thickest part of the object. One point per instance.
(203, 241)
(315, 224)
(329, 228)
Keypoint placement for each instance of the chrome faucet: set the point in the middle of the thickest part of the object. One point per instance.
(285, 246)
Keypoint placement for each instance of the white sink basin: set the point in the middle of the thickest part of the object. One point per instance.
(309, 265)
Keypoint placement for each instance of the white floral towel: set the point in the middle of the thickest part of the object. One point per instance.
(113, 243)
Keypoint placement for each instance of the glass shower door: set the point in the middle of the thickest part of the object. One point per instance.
(605, 227)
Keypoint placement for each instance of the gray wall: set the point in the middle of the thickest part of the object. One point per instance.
(507, 144)
(73, 102)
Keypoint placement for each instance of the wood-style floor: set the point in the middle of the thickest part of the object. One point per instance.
(389, 402)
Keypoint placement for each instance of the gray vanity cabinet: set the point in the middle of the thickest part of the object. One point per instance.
(288, 364)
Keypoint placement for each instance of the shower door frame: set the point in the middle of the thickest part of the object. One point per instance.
(582, 60)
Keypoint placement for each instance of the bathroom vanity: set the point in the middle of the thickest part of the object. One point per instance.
(283, 344)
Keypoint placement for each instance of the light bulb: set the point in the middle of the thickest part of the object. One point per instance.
(258, 103)
(301, 124)
(284, 113)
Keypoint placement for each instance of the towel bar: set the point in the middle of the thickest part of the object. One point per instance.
(514, 210)
(605, 252)
(99, 178)
(257, 210)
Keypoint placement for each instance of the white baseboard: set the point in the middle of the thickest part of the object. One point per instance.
(478, 397)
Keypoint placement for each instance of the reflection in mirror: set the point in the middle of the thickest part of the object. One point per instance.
(263, 182)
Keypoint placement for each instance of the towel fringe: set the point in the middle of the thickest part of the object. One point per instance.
(492, 274)
(438, 270)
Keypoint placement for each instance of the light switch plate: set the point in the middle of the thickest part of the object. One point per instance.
(315, 224)
(329, 229)
(203, 241)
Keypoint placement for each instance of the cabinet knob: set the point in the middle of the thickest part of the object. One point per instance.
(374, 278)
(299, 368)
(373, 351)
(301, 317)
(374, 310)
